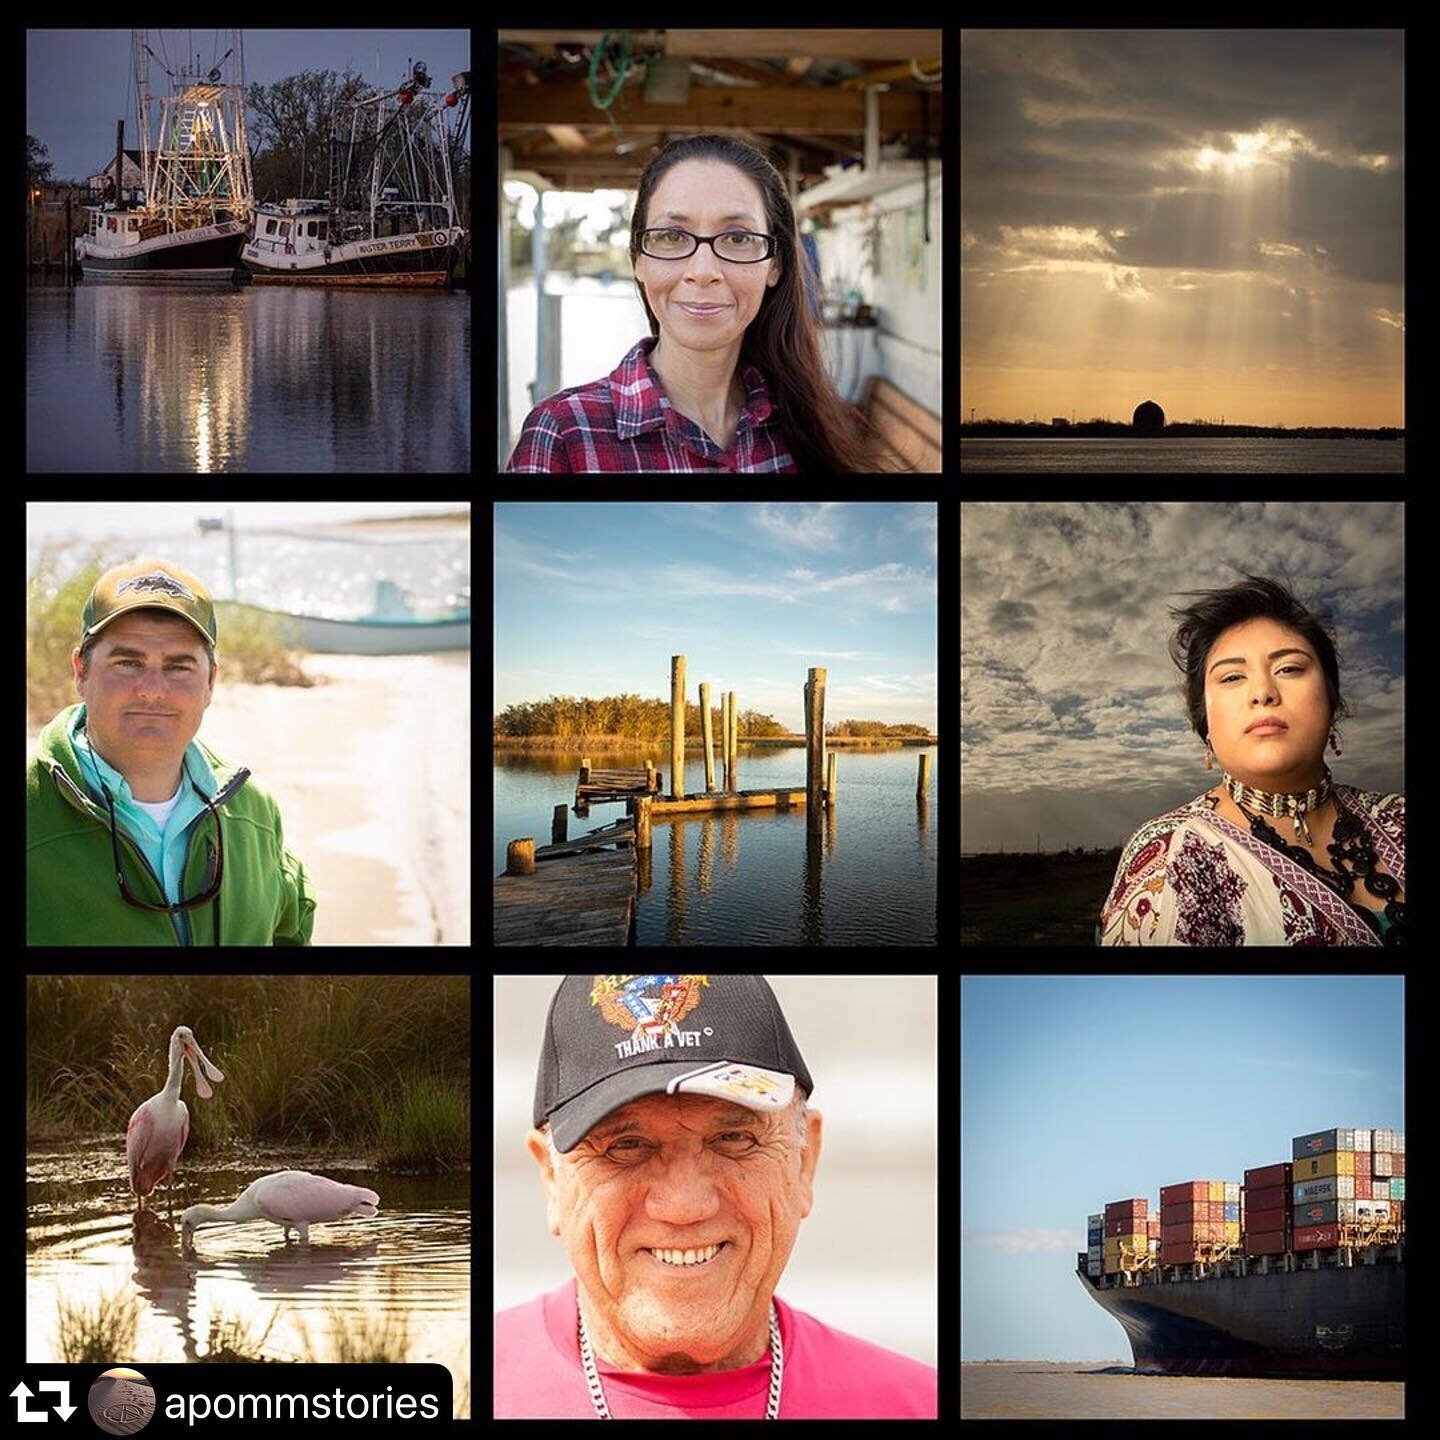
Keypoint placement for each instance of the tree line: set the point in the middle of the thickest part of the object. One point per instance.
(574, 717)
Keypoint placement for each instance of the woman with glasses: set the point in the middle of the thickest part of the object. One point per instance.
(732, 376)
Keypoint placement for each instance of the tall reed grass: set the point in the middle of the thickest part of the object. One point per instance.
(376, 1063)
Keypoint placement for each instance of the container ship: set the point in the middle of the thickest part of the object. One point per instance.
(1299, 1272)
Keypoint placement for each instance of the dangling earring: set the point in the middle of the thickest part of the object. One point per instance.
(1335, 742)
(1209, 756)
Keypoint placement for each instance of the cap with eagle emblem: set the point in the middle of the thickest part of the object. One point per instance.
(609, 1039)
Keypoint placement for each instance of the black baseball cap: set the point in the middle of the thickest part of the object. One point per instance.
(609, 1039)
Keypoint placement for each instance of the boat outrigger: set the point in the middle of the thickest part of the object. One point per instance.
(390, 216)
(199, 195)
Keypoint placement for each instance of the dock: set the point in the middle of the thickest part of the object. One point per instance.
(580, 892)
(595, 786)
(730, 800)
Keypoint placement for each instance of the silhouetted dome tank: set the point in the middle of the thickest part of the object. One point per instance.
(1148, 416)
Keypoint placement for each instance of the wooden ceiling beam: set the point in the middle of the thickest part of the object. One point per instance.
(799, 111)
(923, 45)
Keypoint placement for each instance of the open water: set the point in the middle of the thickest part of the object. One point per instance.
(1100, 1390)
(1181, 455)
(156, 379)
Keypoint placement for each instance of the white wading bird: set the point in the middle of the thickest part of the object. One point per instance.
(158, 1129)
(289, 1198)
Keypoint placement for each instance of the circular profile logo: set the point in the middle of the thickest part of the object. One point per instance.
(122, 1401)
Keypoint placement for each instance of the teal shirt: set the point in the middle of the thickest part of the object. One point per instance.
(164, 850)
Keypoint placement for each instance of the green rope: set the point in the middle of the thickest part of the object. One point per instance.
(620, 73)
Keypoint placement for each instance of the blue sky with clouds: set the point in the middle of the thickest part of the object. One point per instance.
(594, 598)
(1072, 718)
(1078, 1090)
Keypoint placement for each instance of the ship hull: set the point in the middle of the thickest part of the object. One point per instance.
(422, 261)
(210, 253)
(1346, 1322)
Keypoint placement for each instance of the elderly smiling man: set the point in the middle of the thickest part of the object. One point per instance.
(678, 1157)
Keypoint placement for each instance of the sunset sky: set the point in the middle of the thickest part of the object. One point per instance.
(1210, 219)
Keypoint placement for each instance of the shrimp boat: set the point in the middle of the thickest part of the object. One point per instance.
(199, 195)
(389, 219)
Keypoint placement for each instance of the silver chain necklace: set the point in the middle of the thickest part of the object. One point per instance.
(597, 1394)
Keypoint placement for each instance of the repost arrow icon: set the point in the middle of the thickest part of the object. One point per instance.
(22, 1392)
(64, 1409)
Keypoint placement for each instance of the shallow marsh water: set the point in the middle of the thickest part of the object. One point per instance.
(406, 1271)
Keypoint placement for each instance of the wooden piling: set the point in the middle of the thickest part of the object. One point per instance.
(923, 783)
(732, 777)
(650, 782)
(520, 857)
(642, 822)
(559, 822)
(814, 747)
(585, 768)
(830, 779)
(677, 726)
(706, 729)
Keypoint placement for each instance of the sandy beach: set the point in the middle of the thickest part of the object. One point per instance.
(371, 770)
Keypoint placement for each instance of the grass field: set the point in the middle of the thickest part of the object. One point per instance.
(1033, 899)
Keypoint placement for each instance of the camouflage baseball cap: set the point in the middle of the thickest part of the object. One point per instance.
(148, 584)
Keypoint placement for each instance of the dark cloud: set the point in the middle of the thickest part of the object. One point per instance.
(1099, 129)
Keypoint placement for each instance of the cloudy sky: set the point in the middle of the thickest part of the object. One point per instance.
(594, 598)
(1072, 718)
(1212, 219)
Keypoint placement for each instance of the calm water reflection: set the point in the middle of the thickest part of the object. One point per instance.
(405, 1272)
(259, 378)
(758, 877)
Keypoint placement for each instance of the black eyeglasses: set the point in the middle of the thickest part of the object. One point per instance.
(739, 247)
(210, 892)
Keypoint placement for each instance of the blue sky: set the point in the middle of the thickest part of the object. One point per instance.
(1079, 1090)
(80, 82)
(1072, 717)
(594, 598)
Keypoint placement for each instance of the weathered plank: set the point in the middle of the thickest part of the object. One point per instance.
(581, 898)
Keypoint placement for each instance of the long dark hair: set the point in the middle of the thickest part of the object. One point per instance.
(1253, 598)
(824, 431)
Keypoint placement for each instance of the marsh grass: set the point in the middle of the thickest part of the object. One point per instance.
(373, 1063)
(97, 1334)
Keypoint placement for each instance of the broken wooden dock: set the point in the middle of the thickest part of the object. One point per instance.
(581, 892)
(595, 786)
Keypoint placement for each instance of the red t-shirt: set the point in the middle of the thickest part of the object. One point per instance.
(828, 1375)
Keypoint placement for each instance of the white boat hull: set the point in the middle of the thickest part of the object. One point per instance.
(325, 636)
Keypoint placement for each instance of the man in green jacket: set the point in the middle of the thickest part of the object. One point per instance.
(137, 834)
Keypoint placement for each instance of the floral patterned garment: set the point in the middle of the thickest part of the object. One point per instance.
(1190, 877)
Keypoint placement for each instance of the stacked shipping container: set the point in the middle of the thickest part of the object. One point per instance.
(1126, 1224)
(1197, 1213)
(1344, 1177)
(1336, 1177)
(1268, 1201)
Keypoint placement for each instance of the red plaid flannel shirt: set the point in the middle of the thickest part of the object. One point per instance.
(626, 423)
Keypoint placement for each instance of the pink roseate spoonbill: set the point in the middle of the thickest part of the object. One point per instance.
(158, 1129)
(291, 1198)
